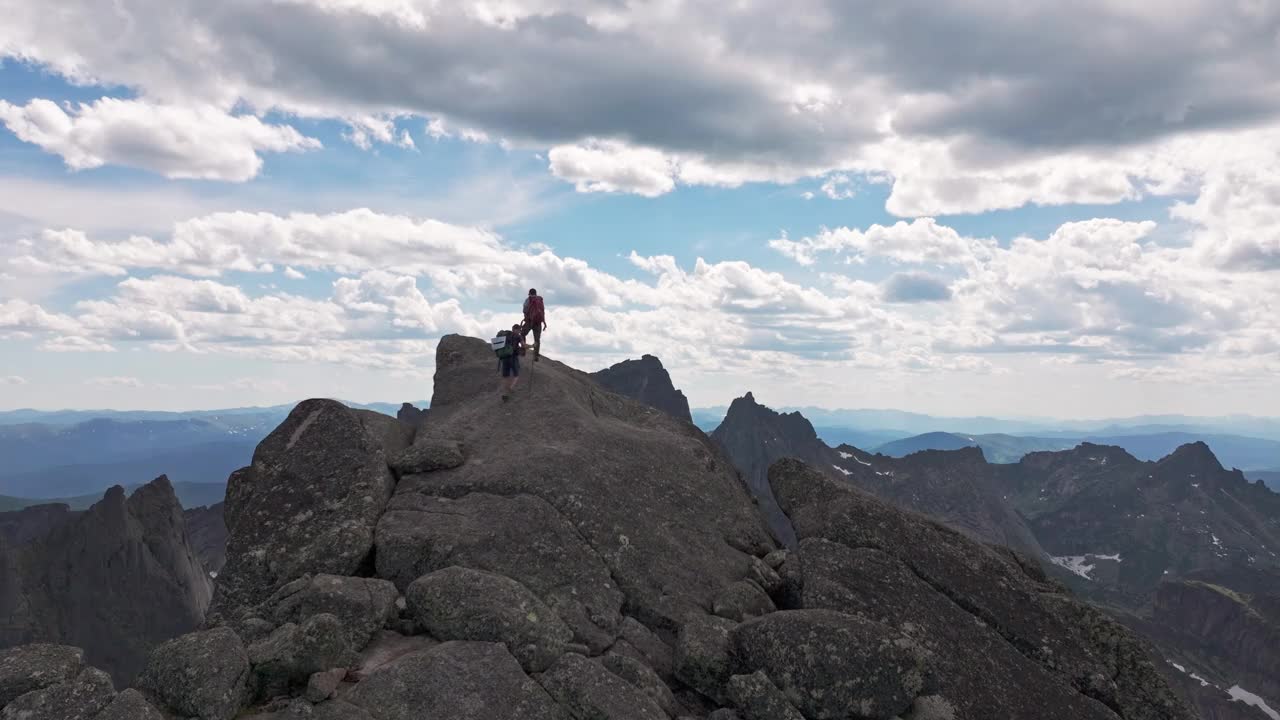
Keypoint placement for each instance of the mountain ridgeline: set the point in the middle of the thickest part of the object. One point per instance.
(590, 557)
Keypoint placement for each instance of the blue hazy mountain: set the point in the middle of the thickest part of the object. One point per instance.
(190, 495)
(1246, 453)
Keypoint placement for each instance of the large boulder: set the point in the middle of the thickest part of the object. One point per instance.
(28, 668)
(832, 666)
(427, 455)
(364, 605)
(463, 604)
(590, 692)
(287, 659)
(129, 705)
(455, 680)
(522, 537)
(202, 675)
(741, 601)
(757, 698)
(702, 655)
(644, 678)
(1002, 639)
(80, 698)
(308, 504)
(647, 494)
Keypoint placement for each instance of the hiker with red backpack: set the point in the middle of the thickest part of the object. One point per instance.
(508, 346)
(535, 319)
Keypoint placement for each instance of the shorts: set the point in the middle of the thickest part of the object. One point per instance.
(510, 366)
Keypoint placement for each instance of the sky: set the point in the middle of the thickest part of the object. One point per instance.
(956, 206)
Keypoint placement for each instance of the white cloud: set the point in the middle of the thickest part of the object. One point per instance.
(292, 274)
(176, 141)
(607, 166)
(838, 186)
(115, 381)
(12, 380)
(922, 240)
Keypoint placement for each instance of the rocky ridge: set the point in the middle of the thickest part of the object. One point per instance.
(114, 580)
(575, 555)
(649, 382)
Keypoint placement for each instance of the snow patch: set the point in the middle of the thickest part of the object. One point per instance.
(1216, 541)
(1080, 564)
(844, 455)
(213, 574)
(863, 462)
(1239, 694)
(842, 470)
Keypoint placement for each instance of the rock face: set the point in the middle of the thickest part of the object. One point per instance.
(755, 437)
(969, 624)
(307, 504)
(647, 381)
(116, 580)
(208, 533)
(202, 675)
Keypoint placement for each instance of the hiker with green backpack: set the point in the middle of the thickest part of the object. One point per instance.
(508, 346)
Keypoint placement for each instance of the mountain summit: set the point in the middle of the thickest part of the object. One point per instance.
(574, 554)
(647, 381)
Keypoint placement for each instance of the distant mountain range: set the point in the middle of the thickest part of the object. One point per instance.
(906, 424)
(190, 495)
(67, 454)
(1236, 451)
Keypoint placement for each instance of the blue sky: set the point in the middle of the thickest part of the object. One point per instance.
(790, 210)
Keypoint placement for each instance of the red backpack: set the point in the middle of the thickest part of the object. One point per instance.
(533, 309)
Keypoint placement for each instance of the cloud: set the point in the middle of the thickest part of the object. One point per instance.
(294, 274)
(611, 167)
(12, 380)
(115, 381)
(912, 287)
(921, 241)
(177, 141)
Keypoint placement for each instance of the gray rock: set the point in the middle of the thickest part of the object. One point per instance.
(385, 648)
(364, 605)
(648, 382)
(456, 680)
(522, 537)
(649, 647)
(287, 659)
(776, 558)
(200, 675)
(931, 707)
(1042, 654)
(463, 604)
(428, 454)
(395, 435)
(323, 685)
(644, 678)
(115, 580)
(648, 494)
(742, 600)
(28, 668)
(760, 573)
(757, 698)
(337, 710)
(702, 654)
(307, 504)
(78, 699)
(130, 705)
(832, 666)
(590, 692)
(724, 714)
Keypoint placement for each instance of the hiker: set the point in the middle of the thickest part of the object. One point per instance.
(508, 346)
(535, 319)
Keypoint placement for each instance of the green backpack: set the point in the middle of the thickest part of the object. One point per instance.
(503, 345)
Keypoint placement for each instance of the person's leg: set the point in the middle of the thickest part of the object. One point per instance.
(506, 377)
(515, 371)
(537, 341)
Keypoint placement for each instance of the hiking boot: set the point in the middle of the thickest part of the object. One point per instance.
(505, 397)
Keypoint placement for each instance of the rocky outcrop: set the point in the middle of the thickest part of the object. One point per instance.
(754, 437)
(953, 616)
(116, 580)
(51, 682)
(647, 381)
(592, 559)
(307, 504)
(207, 531)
